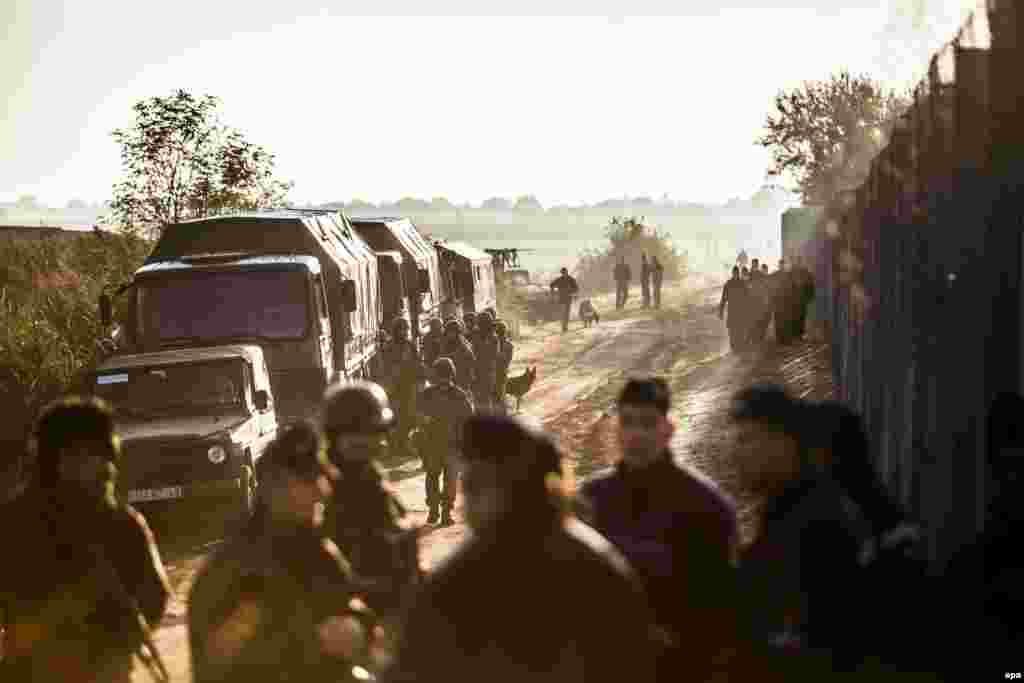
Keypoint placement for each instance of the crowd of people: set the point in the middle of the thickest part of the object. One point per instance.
(652, 273)
(636, 575)
(755, 297)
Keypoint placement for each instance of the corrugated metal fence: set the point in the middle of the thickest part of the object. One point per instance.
(922, 271)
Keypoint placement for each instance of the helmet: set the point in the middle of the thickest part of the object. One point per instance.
(357, 408)
(444, 369)
(300, 451)
(453, 325)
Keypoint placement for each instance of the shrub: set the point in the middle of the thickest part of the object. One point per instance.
(49, 290)
(629, 238)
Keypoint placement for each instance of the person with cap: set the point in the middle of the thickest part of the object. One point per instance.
(800, 576)
(455, 346)
(676, 528)
(517, 601)
(280, 597)
(486, 348)
(84, 584)
(363, 516)
(445, 408)
(403, 372)
(565, 288)
(506, 351)
(430, 347)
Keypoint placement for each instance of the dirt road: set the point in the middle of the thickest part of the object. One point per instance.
(579, 374)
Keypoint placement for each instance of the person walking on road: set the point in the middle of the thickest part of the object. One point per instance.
(455, 346)
(674, 527)
(735, 296)
(516, 602)
(403, 372)
(645, 280)
(430, 347)
(487, 351)
(565, 287)
(506, 352)
(622, 277)
(657, 274)
(445, 408)
(83, 584)
(280, 597)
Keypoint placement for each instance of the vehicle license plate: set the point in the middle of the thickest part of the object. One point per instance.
(141, 495)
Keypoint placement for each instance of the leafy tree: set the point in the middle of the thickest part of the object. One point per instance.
(27, 202)
(412, 204)
(441, 204)
(824, 134)
(628, 237)
(179, 161)
(496, 204)
(527, 203)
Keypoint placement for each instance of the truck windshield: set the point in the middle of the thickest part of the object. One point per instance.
(186, 389)
(202, 306)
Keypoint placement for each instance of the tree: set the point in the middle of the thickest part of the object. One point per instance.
(441, 204)
(77, 205)
(27, 202)
(825, 133)
(496, 204)
(179, 161)
(527, 203)
(412, 204)
(360, 205)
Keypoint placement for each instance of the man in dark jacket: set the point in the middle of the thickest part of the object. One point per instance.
(84, 583)
(506, 352)
(430, 347)
(736, 296)
(486, 349)
(455, 346)
(445, 408)
(675, 527)
(800, 577)
(803, 281)
(645, 280)
(622, 277)
(279, 602)
(566, 288)
(783, 298)
(402, 372)
(517, 602)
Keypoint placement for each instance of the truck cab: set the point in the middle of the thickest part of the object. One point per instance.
(193, 422)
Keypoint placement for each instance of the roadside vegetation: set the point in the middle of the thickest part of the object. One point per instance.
(628, 238)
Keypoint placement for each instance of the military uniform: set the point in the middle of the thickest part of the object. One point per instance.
(430, 346)
(78, 599)
(402, 374)
(256, 608)
(486, 349)
(461, 353)
(506, 352)
(445, 406)
(363, 517)
(736, 296)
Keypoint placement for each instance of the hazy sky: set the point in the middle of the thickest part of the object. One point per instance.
(570, 108)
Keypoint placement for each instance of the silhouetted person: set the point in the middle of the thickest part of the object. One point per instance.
(676, 529)
(645, 280)
(622, 274)
(735, 296)
(445, 406)
(534, 595)
(657, 275)
(565, 288)
(803, 283)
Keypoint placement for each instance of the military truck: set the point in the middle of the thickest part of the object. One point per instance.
(193, 422)
(302, 285)
(467, 275)
(418, 281)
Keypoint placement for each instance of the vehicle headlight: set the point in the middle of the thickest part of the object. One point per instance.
(217, 454)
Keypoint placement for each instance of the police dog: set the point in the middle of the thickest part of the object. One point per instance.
(519, 386)
(588, 314)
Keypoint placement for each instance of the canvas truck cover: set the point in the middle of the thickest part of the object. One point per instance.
(470, 273)
(384, 234)
(327, 236)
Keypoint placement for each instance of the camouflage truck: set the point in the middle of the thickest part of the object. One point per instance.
(302, 285)
(193, 422)
(413, 285)
(467, 276)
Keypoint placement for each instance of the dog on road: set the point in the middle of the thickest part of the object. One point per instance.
(588, 314)
(519, 386)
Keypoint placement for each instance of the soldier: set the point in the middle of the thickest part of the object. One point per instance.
(455, 346)
(755, 269)
(506, 351)
(469, 321)
(85, 581)
(486, 350)
(280, 597)
(363, 516)
(403, 373)
(783, 304)
(735, 296)
(803, 295)
(567, 288)
(657, 274)
(431, 344)
(622, 276)
(445, 407)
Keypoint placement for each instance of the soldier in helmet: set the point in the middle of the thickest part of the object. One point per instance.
(85, 581)
(402, 373)
(486, 348)
(455, 346)
(445, 407)
(363, 517)
(280, 597)
(506, 350)
(431, 344)
(469, 322)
